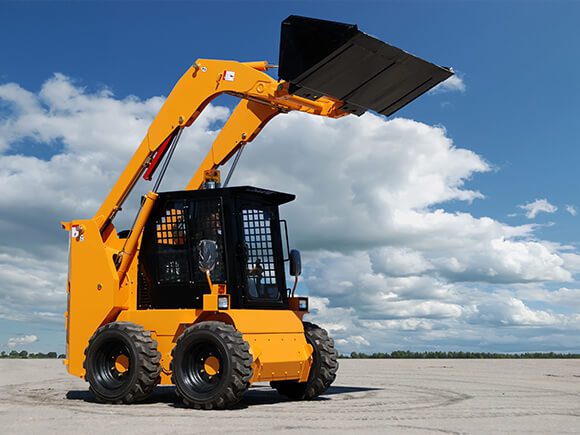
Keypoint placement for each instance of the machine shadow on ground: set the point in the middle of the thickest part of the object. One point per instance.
(253, 397)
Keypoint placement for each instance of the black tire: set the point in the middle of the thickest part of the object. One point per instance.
(219, 385)
(323, 370)
(113, 347)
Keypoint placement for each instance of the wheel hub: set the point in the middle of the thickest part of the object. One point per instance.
(211, 365)
(122, 364)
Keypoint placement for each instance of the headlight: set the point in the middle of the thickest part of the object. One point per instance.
(303, 304)
(223, 302)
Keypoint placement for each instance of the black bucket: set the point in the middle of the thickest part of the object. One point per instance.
(326, 58)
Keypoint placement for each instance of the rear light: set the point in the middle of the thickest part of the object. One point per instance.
(303, 304)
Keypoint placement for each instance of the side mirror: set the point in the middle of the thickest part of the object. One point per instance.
(208, 255)
(295, 263)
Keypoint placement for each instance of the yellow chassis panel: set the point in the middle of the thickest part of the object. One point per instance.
(280, 353)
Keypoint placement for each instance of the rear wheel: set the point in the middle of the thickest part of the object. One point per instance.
(323, 370)
(122, 363)
(211, 366)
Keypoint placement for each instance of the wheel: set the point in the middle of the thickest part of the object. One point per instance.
(122, 363)
(323, 370)
(211, 366)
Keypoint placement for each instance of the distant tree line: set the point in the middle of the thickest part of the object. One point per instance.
(397, 354)
(407, 354)
(25, 355)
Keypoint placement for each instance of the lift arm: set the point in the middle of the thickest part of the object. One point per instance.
(204, 81)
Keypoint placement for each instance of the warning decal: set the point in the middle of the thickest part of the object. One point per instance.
(229, 76)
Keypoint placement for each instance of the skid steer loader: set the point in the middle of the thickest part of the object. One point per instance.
(195, 293)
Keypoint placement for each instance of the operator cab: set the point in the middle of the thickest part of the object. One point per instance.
(244, 222)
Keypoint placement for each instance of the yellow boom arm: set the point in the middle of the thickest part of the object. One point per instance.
(262, 98)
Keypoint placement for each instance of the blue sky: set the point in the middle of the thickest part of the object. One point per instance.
(518, 61)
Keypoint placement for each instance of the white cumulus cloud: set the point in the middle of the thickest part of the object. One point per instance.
(21, 340)
(538, 206)
(454, 83)
(383, 258)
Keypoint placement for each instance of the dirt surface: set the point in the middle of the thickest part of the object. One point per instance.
(396, 396)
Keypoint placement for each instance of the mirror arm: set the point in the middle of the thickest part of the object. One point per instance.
(207, 275)
(295, 285)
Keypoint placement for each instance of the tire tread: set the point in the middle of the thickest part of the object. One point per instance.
(241, 361)
(149, 369)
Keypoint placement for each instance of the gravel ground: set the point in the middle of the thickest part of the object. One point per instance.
(394, 396)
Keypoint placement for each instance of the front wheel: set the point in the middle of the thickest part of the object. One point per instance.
(323, 369)
(122, 363)
(211, 366)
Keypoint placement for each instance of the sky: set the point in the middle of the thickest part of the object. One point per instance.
(450, 225)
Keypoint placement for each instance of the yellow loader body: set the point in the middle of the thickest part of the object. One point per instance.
(281, 353)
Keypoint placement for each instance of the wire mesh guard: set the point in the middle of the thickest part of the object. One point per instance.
(207, 225)
(178, 236)
(260, 264)
(171, 234)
